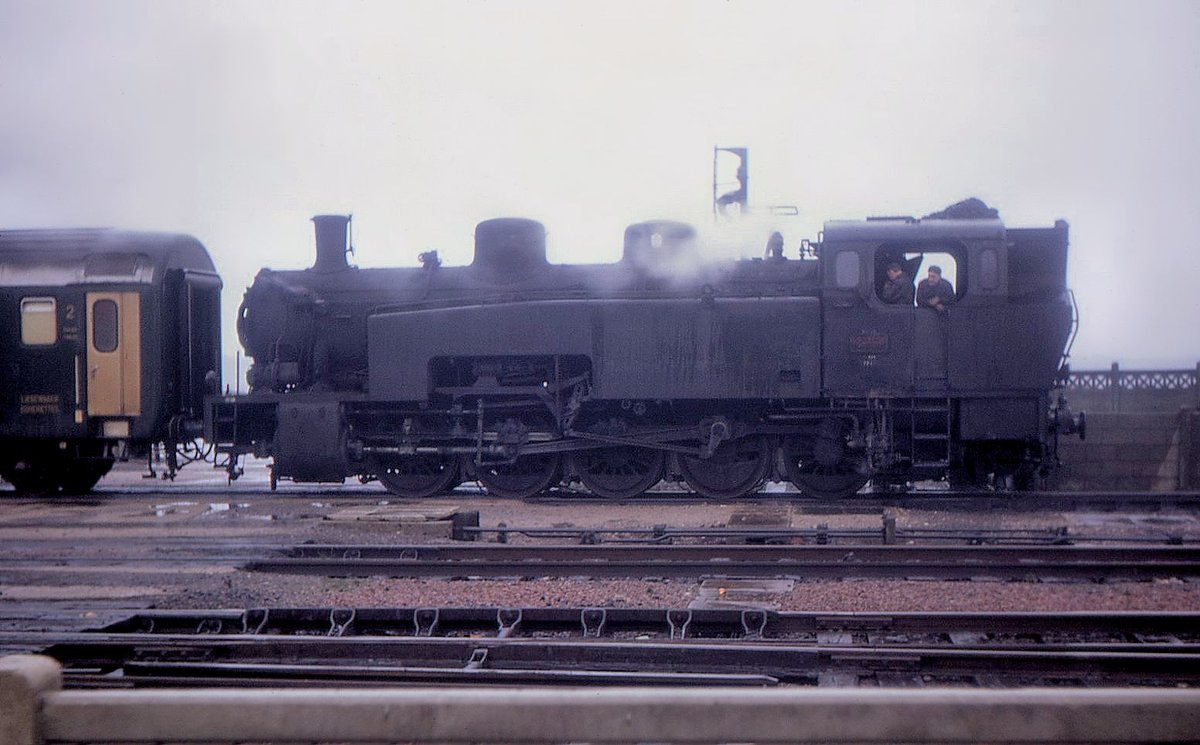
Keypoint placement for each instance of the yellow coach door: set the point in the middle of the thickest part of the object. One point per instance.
(114, 354)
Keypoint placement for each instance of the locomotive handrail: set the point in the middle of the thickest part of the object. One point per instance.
(728, 288)
(1066, 355)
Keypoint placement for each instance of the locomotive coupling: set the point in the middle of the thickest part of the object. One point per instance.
(1064, 422)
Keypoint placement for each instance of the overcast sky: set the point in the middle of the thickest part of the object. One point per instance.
(237, 121)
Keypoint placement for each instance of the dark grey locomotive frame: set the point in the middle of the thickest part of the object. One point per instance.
(111, 341)
(523, 374)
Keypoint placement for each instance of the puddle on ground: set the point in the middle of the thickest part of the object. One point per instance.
(218, 507)
(162, 510)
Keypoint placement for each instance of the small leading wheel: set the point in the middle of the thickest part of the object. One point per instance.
(528, 476)
(620, 472)
(418, 476)
(736, 468)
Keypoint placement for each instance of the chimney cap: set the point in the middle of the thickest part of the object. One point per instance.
(333, 242)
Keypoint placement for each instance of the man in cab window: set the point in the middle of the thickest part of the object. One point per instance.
(935, 292)
(898, 289)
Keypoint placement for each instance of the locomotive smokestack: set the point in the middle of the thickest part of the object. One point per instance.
(333, 241)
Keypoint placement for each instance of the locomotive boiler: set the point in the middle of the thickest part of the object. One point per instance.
(523, 374)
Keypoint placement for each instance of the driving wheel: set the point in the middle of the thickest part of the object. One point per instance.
(821, 467)
(736, 468)
(619, 472)
(527, 476)
(418, 476)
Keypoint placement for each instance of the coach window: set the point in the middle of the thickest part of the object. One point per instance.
(104, 326)
(39, 321)
(846, 270)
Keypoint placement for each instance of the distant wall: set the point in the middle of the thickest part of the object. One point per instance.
(1143, 430)
(1143, 452)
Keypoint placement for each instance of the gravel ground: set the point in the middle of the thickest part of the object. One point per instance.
(242, 591)
(864, 596)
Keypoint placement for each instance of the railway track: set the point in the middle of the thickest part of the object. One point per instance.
(915, 498)
(1096, 563)
(637, 553)
(889, 533)
(920, 498)
(613, 646)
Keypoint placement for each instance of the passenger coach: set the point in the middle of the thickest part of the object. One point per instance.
(110, 342)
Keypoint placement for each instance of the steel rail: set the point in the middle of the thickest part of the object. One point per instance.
(888, 534)
(803, 562)
(92, 649)
(27, 549)
(734, 552)
(412, 660)
(621, 646)
(912, 497)
(940, 499)
(1171, 627)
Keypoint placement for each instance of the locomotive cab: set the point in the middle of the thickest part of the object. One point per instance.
(876, 347)
(968, 382)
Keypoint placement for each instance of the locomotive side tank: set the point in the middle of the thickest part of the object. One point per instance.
(111, 343)
(523, 374)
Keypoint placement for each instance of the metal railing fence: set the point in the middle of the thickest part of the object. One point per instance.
(1116, 389)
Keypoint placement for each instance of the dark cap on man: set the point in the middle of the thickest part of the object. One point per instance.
(935, 269)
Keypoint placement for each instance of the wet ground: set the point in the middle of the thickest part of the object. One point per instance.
(145, 543)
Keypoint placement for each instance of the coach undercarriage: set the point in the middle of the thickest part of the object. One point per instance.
(37, 467)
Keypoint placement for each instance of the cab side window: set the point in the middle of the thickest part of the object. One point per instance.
(949, 266)
(989, 269)
(39, 321)
(846, 270)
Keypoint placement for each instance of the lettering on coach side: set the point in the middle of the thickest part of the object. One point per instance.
(40, 403)
(71, 330)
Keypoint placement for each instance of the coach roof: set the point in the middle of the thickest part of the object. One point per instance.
(90, 256)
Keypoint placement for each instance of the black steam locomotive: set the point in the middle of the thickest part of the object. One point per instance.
(522, 374)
